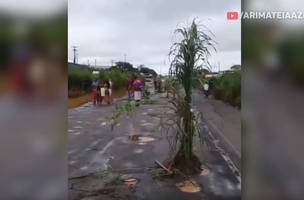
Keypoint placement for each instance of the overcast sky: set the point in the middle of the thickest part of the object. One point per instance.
(143, 30)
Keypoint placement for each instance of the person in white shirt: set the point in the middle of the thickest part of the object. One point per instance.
(102, 93)
(206, 89)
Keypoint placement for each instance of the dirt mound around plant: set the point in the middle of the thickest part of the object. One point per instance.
(188, 166)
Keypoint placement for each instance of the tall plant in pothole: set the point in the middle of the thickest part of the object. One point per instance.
(189, 56)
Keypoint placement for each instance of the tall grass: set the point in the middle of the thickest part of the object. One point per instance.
(228, 88)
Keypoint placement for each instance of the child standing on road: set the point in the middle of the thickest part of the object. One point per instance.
(94, 92)
(107, 92)
(98, 97)
(102, 93)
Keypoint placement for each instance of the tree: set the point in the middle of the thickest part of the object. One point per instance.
(147, 70)
(189, 55)
(124, 65)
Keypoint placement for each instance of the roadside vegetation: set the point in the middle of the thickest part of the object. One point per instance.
(80, 77)
(227, 87)
(79, 81)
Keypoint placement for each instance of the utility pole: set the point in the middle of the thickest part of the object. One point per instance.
(219, 67)
(75, 51)
(112, 63)
(125, 60)
(95, 62)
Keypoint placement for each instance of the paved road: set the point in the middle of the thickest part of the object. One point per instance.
(134, 144)
(224, 121)
(94, 146)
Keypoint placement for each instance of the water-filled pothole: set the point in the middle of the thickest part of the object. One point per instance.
(130, 182)
(139, 139)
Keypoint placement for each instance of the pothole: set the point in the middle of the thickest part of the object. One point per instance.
(130, 182)
(141, 139)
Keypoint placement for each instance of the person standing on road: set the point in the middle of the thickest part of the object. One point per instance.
(107, 92)
(102, 93)
(137, 85)
(98, 94)
(129, 87)
(94, 91)
(110, 91)
(206, 89)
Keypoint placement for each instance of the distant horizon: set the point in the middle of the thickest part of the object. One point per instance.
(109, 66)
(142, 32)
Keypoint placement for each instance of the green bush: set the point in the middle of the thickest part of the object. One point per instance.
(117, 76)
(228, 88)
(80, 79)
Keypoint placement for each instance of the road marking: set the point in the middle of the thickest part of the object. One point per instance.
(107, 146)
(138, 151)
(225, 138)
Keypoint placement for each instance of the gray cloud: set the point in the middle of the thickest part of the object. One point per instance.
(143, 29)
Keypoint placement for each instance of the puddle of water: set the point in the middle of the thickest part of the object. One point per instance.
(78, 127)
(103, 123)
(84, 168)
(188, 186)
(146, 139)
(78, 133)
(147, 124)
(138, 151)
(129, 164)
(72, 162)
(141, 139)
(70, 152)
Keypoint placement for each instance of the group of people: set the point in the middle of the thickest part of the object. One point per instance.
(102, 92)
